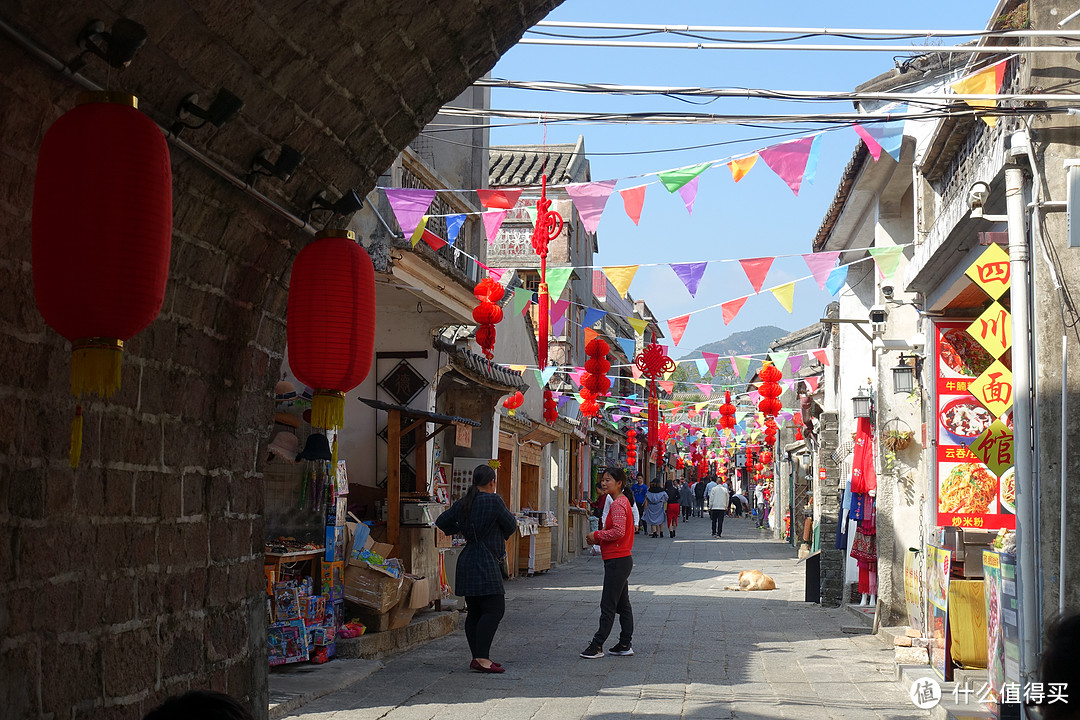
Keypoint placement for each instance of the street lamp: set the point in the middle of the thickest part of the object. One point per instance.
(863, 403)
(903, 376)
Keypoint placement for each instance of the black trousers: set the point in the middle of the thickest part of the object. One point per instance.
(686, 510)
(481, 622)
(717, 521)
(616, 599)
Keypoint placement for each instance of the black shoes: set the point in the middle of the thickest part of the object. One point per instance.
(621, 649)
(593, 652)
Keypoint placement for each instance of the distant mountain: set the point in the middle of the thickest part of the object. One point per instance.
(747, 342)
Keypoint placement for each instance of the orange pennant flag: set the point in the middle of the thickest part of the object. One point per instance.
(985, 82)
(590, 335)
(740, 166)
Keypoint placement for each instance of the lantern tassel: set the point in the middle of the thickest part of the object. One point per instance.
(76, 438)
(328, 409)
(95, 366)
(333, 459)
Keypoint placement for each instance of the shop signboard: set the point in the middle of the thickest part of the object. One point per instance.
(939, 562)
(912, 588)
(968, 489)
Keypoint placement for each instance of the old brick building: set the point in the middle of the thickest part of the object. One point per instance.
(138, 574)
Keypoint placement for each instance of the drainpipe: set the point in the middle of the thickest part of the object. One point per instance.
(1026, 490)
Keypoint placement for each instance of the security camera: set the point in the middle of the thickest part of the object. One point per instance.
(887, 291)
(878, 314)
(978, 195)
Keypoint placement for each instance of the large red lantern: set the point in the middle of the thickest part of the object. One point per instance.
(101, 235)
(551, 407)
(727, 413)
(487, 314)
(330, 322)
(770, 390)
(594, 382)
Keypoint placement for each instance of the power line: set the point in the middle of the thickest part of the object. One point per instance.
(796, 47)
(666, 28)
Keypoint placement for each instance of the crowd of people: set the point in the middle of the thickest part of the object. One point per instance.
(661, 505)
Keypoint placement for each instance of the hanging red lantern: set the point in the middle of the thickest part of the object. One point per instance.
(330, 322)
(594, 381)
(766, 457)
(513, 402)
(770, 390)
(101, 235)
(798, 434)
(551, 407)
(487, 314)
(727, 413)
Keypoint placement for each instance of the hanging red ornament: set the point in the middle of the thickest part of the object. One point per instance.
(727, 413)
(770, 389)
(330, 322)
(798, 434)
(101, 234)
(551, 407)
(766, 457)
(594, 380)
(653, 363)
(513, 402)
(487, 314)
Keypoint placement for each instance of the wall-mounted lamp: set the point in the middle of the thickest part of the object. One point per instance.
(862, 405)
(289, 158)
(347, 204)
(116, 47)
(224, 108)
(903, 374)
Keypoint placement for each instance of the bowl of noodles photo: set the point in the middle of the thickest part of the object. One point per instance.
(964, 419)
(961, 355)
(968, 488)
(1007, 490)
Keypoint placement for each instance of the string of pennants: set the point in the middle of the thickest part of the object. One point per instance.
(794, 161)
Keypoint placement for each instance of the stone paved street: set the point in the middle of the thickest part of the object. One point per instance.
(701, 651)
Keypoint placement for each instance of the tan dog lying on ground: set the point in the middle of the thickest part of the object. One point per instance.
(754, 580)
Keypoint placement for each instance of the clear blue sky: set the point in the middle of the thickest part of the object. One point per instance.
(758, 217)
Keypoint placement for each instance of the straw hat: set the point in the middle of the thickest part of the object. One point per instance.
(285, 445)
(284, 390)
(285, 418)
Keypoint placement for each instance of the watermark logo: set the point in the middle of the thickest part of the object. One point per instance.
(925, 693)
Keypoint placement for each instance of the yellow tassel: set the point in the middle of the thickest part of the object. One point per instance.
(95, 366)
(333, 459)
(76, 438)
(328, 409)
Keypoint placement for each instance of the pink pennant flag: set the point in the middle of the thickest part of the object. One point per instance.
(667, 386)
(822, 355)
(636, 409)
(492, 222)
(756, 269)
(576, 375)
(871, 144)
(688, 193)
(714, 414)
(795, 363)
(788, 160)
(812, 383)
(731, 308)
(496, 274)
(821, 264)
(711, 359)
(633, 200)
(557, 326)
(635, 371)
(558, 308)
(755, 396)
(677, 326)
(499, 199)
(409, 205)
(590, 199)
(705, 388)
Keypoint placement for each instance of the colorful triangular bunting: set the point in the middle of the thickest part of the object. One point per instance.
(690, 274)
(589, 199)
(677, 326)
(409, 205)
(675, 179)
(731, 308)
(633, 200)
(789, 160)
(756, 269)
(621, 276)
(785, 295)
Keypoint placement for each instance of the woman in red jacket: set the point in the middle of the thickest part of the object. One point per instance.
(616, 540)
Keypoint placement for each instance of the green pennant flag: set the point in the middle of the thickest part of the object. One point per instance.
(530, 210)
(556, 280)
(739, 415)
(543, 376)
(743, 365)
(779, 359)
(675, 179)
(887, 259)
(522, 297)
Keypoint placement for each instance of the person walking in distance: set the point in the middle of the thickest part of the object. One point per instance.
(482, 518)
(718, 505)
(686, 500)
(639, 489)
(616, 541)
(655, 508)
(699, 497)
(672, 507)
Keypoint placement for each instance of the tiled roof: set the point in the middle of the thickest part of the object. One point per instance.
(480, 368)
(513, 165)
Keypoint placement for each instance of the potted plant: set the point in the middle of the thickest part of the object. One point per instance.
(896, 439)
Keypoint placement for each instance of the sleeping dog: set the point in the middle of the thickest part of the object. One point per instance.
(753, 580)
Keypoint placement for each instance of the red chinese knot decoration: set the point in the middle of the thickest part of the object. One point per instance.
(653, 363)
(101, 235)
(487, 314)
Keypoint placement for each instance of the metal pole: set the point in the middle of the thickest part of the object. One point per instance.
(1026, 492)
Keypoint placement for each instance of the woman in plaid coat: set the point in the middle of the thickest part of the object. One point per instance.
(482, 518)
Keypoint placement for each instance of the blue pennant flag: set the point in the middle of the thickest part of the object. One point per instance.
(592, 315)
(836, 280)
(453, 227)
(628, 346)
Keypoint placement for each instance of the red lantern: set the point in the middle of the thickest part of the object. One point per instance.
(487, 314)
(770, 390)
(101, 235)
(551, 407)
(330, 322)
(727, 413)
(594, 381)
(766, 457)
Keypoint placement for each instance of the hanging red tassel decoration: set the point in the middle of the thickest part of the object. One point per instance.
(653, 363)
(487, 314)
(770, 389)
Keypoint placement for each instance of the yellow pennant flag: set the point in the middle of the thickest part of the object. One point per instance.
(985, 82)
(785, 294)
(740, 166)
(638, 381)
(621, 276)
(638, 325)
(419, 231)
(701, 405)
(667, 375)
(519, 368)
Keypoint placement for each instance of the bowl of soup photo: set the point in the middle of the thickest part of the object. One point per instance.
(964, 419)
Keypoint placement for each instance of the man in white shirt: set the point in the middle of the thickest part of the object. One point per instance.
(718, 498)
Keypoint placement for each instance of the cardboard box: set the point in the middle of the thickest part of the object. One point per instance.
(420, 593)
(442, 540)
(401, 614)
(371, 588)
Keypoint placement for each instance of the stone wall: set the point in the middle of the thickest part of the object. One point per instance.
(832, 559)
(139, 574)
